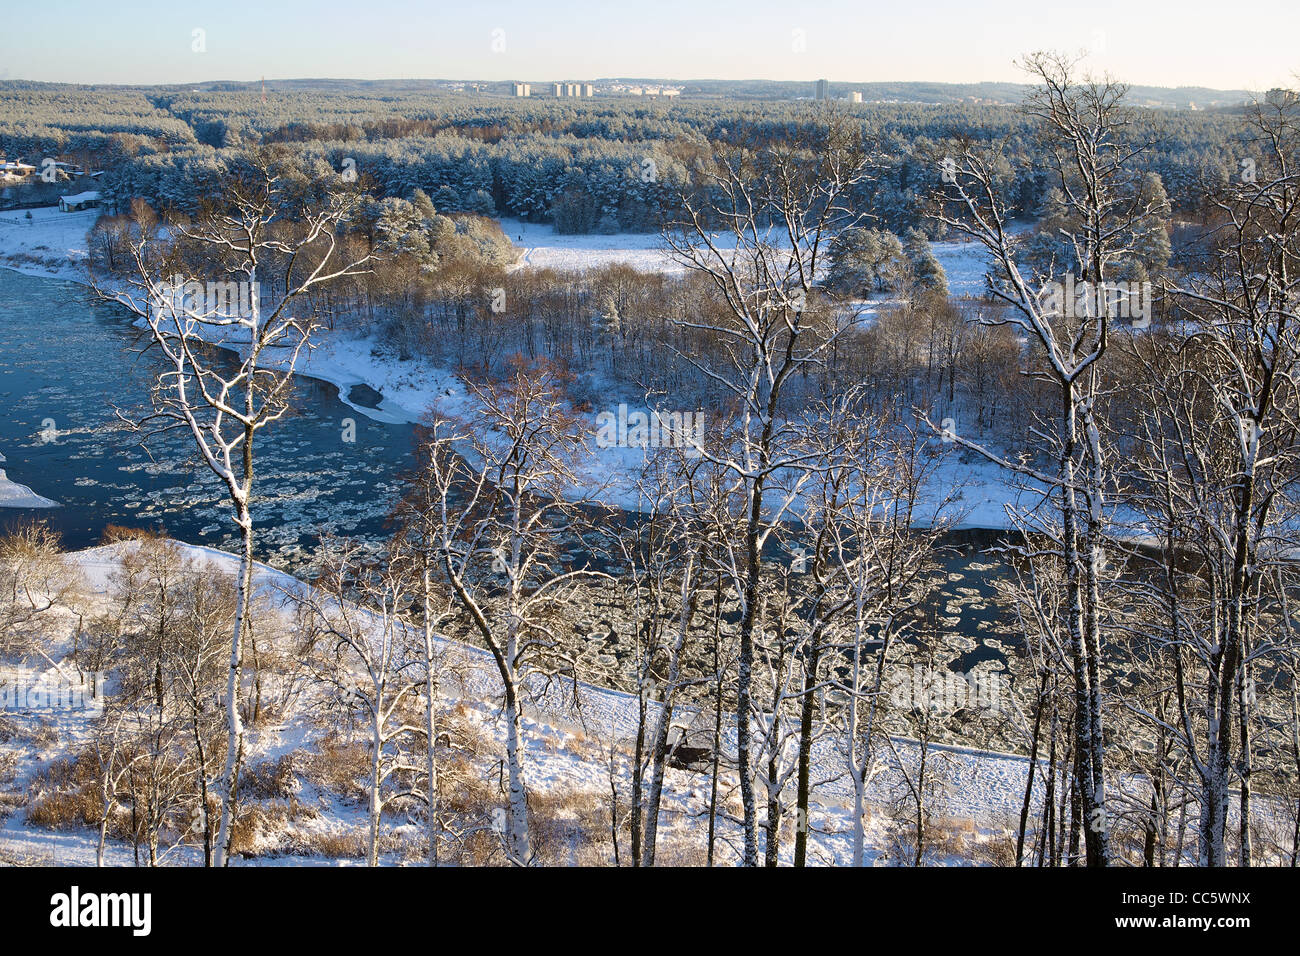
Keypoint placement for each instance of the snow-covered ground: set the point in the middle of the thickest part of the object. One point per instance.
(543, 248)
(50, 243)
(565, 745)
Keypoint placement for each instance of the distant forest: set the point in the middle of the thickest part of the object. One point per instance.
(608, 164)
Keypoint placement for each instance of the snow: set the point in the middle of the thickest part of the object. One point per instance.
(14, 495)
(544, 248)
(965, 262)
(51, 243)
(567, 748)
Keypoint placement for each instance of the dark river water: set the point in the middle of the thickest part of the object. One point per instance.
(65, 358)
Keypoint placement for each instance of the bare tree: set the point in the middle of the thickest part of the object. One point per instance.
(253, 236)
(366, 643)
(1082, 125)
(416, 549)
(778, 209)
(1217, 477)
(502, 522)
(871, 564)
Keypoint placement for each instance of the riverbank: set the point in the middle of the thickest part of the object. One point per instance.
(977, 493)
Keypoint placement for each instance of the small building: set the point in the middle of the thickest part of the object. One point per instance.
(78, 201)
(823, 90)
(855, 97)
(523, 89)
(558, 89)
(588, 90)
(16, 169)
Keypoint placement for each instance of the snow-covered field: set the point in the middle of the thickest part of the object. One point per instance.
(543, 248)
(50, 243)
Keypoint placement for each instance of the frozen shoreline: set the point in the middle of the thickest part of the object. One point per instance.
(14, 495)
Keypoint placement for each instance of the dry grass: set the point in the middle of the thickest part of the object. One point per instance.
(261, 829)
(339, 767)
(269, 780)
(946, 841)
(66, 810)
(335, 844)
(998, 848)
(66, 794)
(682, 853)
(465, 789)
(570, 828)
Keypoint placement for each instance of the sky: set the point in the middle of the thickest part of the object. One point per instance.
(1188, 43)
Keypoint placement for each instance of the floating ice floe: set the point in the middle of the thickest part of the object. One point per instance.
(14, 495)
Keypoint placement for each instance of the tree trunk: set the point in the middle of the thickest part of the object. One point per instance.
(234, 725)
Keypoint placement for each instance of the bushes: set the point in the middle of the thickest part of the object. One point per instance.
(66, 794)
(270, 779)
(261, 829)
(339, 767)
(66, 810)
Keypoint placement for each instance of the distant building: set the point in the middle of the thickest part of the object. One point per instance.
(669, 92)
(575, 90)
(79, 201)
(855, 97)
(16, 169)
(68, 170)
(823, 90)
(523, 89)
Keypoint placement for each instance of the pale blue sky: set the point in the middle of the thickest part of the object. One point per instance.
(1249, 45)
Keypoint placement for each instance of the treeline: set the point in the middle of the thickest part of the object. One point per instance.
(606, 165)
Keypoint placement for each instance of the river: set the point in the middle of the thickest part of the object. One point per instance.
(65, 357)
